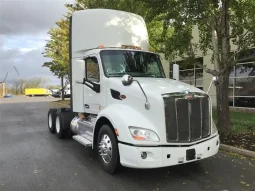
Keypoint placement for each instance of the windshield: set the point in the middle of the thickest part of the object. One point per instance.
(116, 63)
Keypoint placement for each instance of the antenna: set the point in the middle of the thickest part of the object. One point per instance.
(22, 82)
(18, 74)
(5, 78)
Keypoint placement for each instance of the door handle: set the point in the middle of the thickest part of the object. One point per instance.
(86, 106)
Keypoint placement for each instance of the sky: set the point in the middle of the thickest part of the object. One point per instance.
(23, 33)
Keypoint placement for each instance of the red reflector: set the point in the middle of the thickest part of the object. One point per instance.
(122, 97)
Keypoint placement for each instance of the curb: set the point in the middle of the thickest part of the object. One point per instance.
(243, 152)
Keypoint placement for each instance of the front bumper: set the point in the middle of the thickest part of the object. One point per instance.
(130, 156)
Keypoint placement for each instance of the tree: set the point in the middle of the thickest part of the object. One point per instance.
(18, 87)
(219, 24)
(57, 48)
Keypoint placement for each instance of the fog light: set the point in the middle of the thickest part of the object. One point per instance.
(181, 160)
(144, 155)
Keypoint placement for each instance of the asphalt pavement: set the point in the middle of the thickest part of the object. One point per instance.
(31, 158)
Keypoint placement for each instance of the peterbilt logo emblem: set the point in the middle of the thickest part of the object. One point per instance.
(189, 96)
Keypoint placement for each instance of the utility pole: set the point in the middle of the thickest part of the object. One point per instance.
(4, 85)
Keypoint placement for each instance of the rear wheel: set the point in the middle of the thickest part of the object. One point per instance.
(51, 120)
(63, 120)
(108, 152)
(61, 129)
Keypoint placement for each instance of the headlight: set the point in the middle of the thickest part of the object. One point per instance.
(141, 134)
(214, 128)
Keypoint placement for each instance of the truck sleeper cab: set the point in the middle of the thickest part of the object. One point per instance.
(125, 108)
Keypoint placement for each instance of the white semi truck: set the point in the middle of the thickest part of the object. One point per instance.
(122, 105)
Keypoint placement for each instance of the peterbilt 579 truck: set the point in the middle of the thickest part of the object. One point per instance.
(122, 104)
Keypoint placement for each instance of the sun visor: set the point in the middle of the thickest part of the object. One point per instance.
(110, 28)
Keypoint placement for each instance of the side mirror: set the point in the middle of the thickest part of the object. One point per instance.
(127, 80)
(176, 72)
(79, 70)
(214, 79)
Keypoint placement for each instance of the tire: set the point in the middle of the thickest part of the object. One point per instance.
(110, 165)
(63, 120)
(51, 120)
(61, 129)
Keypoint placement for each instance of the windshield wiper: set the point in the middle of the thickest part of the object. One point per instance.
(117, 73)
(151, 75)
(134, 75)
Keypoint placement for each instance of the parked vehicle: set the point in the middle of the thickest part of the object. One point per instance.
(67, 91)
(8, 96)
(31, 92)
(122, 105)
(55, 93)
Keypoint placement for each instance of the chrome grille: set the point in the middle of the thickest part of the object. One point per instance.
(187, 119)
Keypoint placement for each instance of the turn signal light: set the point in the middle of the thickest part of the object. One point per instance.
(131, 47)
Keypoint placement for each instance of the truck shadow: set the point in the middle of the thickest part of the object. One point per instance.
(181, 170)
(190, 176)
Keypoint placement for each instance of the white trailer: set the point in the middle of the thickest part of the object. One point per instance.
(67, 91)
(122, 105)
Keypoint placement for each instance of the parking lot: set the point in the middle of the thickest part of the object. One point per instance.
(33, 159)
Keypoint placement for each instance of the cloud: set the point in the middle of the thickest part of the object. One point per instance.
(25, 50)
(20, 17)
(23, 35)
(28, 63)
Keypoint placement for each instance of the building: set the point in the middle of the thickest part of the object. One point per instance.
(242, 77)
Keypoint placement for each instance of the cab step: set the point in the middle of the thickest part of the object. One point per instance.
(83, 141)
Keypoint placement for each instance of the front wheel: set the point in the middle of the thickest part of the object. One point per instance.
(108, 152)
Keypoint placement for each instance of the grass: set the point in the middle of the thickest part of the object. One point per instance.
(63, 102)
(241, 122)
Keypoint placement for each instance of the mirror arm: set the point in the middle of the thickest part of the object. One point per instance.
(214, 80)
(127, 80)
(147, 104)
(142, 90)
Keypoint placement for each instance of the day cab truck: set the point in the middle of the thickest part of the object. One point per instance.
(122, 104)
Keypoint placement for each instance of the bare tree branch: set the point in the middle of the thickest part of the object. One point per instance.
(245, 34)
(233, 35)
(207, 70)
(239, 50)
(213, 72)
(238, 30)
(247, 42)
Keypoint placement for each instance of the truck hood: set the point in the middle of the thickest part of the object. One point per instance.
(156, 86)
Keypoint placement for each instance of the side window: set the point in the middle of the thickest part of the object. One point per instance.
(92, 69)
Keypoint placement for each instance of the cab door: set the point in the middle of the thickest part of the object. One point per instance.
(92, 90)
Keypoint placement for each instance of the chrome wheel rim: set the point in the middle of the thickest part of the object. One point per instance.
(50, 121)
(105, 148)
(57, 124)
